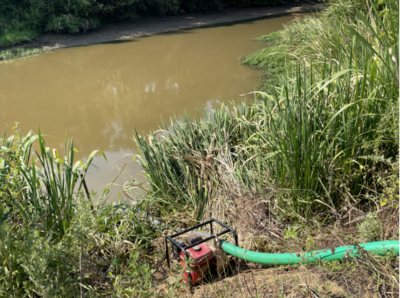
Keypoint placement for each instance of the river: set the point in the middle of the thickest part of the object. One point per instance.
(98, 94)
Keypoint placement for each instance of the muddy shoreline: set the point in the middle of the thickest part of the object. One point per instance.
(118, 32)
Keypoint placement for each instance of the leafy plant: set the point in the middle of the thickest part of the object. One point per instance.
(137, 279)
(291, 233)
(370, 229)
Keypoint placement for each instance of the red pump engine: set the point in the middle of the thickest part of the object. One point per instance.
(201, 255)
(193, 252)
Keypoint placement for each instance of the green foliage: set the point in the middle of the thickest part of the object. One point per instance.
(53, 242)
(275, 63)
(43, 263)
(67, 23)
(34, 264)
(172, 163)
(19, 53)
(31, 265)
(387, 133)
(14, 151)
(370, 229)
(274, 37)
(137, 280)
(291, 232)
(206, 5)
(37, 208)
(10, 37)
(22, 20)
(44, 195)
(338, 266)
(345, 133)
(347, 9)
(9, 256)
(390, 187)
(385, 189)
(310, 243)
(273, 59)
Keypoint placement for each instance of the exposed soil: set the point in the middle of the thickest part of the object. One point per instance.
(118, 32)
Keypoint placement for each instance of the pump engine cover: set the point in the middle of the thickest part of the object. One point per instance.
(201, 254)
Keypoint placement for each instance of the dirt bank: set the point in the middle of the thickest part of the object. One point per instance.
(157, 25)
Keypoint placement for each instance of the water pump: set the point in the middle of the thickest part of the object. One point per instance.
(192, 251)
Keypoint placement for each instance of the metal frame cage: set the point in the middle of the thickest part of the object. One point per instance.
(184, 249)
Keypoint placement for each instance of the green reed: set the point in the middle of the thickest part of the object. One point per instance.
(179, 164)
(314, 130)
(44, 188)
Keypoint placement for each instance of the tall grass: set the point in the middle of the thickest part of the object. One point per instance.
(308, 138)
(353, 81)
(54, 242)
(182, 165)
(42, 189)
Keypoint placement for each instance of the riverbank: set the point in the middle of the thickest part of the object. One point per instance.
(311, 165)
(310, 155)
(118, 32)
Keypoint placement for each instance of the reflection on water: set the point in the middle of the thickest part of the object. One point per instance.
(100, 93)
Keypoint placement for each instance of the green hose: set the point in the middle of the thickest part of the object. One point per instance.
(338, 253)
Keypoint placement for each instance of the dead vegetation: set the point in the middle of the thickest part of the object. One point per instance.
(368, 276)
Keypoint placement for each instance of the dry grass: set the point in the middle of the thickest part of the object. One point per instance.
(368, 276)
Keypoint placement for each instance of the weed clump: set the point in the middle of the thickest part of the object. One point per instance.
(369, 230)
(20, 52)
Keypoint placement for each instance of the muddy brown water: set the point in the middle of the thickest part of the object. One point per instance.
(99, 93)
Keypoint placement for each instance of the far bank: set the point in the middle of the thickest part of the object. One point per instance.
(120, 31)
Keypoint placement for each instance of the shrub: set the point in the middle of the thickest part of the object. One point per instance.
(370, 229)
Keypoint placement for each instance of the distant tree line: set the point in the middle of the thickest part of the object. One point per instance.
(72, 16)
